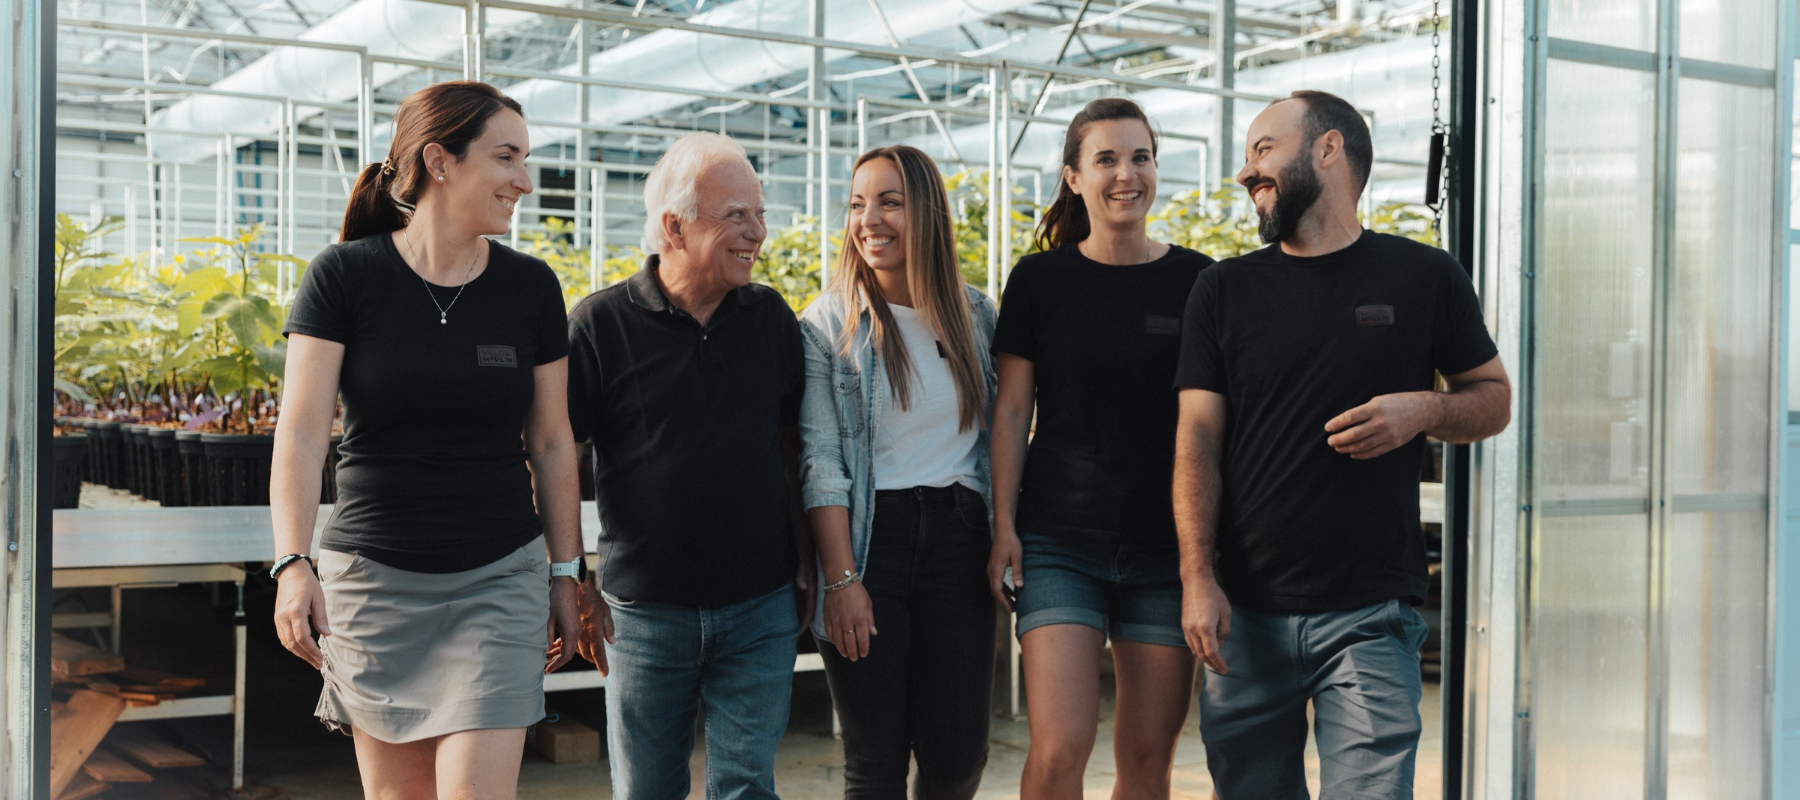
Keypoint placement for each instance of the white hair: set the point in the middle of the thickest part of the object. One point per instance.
(673, 186)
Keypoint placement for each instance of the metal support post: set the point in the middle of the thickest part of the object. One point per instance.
(862, 125)
(1224, 44)
(596, 253)
(365, 113)
(821, 131)
(581, 140)
(220, 190)
(230, 169)
(1004, 199)
(241, 631)
(995, 148)
(474, 33)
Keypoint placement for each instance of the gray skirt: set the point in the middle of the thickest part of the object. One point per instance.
(413, 655)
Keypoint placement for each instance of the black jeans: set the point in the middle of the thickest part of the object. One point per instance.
(923, 691)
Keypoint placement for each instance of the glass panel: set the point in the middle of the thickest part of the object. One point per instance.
(1793, 337)
(1719, 426)
(1716, 658)
(1619, 23)
(1594, 319)
(1590, 676)
(1733, 31)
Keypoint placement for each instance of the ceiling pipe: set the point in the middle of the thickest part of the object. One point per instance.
(428, 31)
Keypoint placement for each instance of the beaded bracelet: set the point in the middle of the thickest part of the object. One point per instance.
(849, 578)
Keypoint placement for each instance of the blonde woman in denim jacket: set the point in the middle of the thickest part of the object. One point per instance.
(899, 390)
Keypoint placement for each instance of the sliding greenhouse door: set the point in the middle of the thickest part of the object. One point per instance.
(1645, 645)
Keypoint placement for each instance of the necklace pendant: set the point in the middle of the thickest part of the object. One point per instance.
(443, 319)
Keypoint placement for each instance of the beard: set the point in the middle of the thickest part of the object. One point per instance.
(1296, 190)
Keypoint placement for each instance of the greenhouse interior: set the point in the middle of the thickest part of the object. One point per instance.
(1615, 597)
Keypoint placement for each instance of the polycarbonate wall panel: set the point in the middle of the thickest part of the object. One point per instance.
(1717, 656)
(1619, 23)
(1591, 673)
(1719, 415)
(1594, 321)
(1732, 31)
(1793, 334)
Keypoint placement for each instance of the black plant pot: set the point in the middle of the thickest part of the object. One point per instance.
(165, 466)
(196, 475)
(111, 451)
(239, 468)
(71, 454)
(132, 438)
(90, 469)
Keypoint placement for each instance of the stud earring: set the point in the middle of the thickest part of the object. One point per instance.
(440, 179)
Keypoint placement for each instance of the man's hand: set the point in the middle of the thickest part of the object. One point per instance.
(596, 625)
(1377, 427)
(1206, 621)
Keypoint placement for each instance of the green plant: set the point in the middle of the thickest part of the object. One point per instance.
(245, 345)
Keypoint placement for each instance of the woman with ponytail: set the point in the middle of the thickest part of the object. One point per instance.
(1084, 527)
(457, 486)
(893, 474)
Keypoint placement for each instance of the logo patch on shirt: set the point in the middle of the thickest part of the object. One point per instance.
(1368, 316)
(1161, 325)
(496, 355)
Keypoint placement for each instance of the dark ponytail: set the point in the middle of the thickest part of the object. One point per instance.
(372, 208)
(452, 115)
(1065, 222)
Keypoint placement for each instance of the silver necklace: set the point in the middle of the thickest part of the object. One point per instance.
(444, 310)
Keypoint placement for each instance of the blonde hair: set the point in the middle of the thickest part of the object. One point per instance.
(938, 292)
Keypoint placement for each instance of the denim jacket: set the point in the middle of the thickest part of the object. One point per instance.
(842, 408)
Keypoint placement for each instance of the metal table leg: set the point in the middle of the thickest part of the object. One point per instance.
(237, 694)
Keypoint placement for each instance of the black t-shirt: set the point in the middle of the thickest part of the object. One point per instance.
(1103, 341)
(686, 421)
(433, 475)
(1291, 343)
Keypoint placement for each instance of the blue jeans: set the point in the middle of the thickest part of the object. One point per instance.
(669, 660)
(1360, 670)
(1129, 592)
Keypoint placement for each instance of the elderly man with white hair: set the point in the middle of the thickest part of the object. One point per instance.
(687, 379)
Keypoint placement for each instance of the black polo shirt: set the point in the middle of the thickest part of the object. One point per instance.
(686, 422)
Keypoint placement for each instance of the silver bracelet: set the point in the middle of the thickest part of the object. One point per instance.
(849, 578)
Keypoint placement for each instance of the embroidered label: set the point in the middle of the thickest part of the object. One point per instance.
(496, 355)
(1368, 316)
(1161, 325)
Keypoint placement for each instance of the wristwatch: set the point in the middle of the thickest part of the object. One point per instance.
(576, 569)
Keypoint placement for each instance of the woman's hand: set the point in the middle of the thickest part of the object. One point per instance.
(850, 620)
(299, 610)
(1005, 553)
(565, 624)
(596, 625)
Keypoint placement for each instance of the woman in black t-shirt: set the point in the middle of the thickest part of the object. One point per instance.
(1088, 338)
(450, 352)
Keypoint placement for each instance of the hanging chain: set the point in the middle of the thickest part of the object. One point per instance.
(1440, 132)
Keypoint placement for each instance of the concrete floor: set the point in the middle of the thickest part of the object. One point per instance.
(289, 756)
(810, 765)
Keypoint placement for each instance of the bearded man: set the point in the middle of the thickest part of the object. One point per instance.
(1306, 392)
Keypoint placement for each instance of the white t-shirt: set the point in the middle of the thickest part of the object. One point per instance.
(922, 445)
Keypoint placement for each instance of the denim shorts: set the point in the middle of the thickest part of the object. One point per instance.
(1129, 592)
